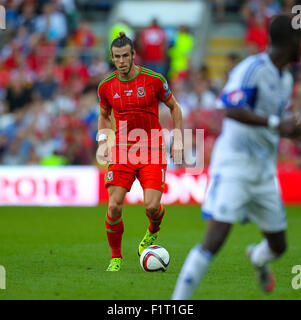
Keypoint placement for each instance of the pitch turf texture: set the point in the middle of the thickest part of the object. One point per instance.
(62, 253)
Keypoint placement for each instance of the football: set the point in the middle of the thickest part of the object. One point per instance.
(154, 258)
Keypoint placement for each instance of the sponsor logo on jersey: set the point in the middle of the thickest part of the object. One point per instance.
(141, 91)
(128, 92)
(116, 96)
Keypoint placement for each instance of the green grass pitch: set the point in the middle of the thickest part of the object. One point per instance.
(62, 253)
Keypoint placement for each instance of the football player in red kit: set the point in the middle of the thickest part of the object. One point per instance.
(133, 94)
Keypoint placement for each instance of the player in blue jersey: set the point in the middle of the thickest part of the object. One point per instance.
(243, 184)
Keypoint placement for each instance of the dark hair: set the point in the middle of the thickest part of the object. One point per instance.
(122, 41)
(281, 30)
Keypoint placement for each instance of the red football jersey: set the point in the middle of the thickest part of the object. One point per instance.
(135, 104)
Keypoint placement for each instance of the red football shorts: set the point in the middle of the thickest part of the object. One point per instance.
(150, 176)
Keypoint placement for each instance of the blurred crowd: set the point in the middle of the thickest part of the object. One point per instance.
(50, 67)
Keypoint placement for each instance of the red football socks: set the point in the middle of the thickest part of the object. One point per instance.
(115, 230)
(155, 220)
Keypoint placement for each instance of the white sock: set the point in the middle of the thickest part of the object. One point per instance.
(262, 254)
(193, 270)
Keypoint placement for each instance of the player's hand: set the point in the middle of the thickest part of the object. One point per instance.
(103, 152)
(290, 128)
(177, 151)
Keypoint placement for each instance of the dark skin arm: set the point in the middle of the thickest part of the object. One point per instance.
(288, 128)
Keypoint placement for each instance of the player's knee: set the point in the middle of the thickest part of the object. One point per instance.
(279, 248)
(115, 209)
(151, 209)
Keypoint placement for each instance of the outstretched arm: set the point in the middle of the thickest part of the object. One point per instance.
(287, 128)
(246, 116)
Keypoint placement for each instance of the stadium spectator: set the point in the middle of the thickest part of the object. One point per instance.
(52, 23)
(4, 76)
(180, 55)
(78, 143)
(52, 160)
(33, 158)
(84, 39)
(205, 98)
(12, 155)
(11, 8)
(64, 102)
(71, 12)
(46, 144)
(27, 17)
(288, 4)
(220, 9)
(233, 60)
(18, 95)
(41, 52)
(257, 14)
(46, 86)
(262, 9)
(3, 146)
(153, 47)
(120, 26)
(21, 40)
(257, 36)
(98, 69)
(75, 74)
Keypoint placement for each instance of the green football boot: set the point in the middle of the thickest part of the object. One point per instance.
(147, 241)
(115, 264)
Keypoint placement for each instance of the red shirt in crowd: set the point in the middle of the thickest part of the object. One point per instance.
(153, 44)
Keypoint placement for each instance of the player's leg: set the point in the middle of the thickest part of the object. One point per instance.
(114, 225)
(216, 234)
(223, 202)
(276, 241)
(119, 180)
(269, 249)
(155, 212)
(152, 180)
(268, 213)
(199, 258)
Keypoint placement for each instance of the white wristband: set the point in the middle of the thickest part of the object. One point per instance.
(273, 121)
(101, 137)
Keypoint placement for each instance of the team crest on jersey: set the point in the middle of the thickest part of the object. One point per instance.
(141, 91)
(109, 176)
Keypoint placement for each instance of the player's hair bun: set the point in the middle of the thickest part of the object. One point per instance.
(122, 34)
